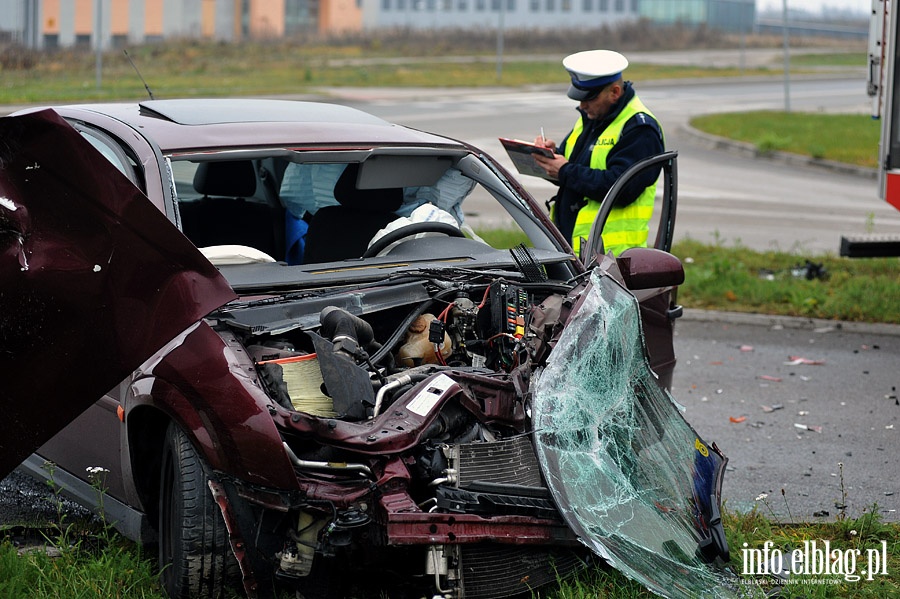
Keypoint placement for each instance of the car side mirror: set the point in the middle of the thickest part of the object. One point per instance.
(649, 268)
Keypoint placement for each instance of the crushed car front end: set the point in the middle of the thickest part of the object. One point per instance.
(344, 418)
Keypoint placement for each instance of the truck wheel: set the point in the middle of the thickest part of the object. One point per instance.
(195, 557)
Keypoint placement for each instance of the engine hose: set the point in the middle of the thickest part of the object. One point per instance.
(337, 321)
(405, 379)
(400, 332)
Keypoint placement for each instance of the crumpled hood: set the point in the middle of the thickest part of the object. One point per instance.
(93, 280)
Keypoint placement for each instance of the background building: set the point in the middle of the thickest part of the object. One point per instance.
(512, 14)
(726, 15)
(66, 23)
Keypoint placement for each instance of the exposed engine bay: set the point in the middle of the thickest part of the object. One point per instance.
(409, 427)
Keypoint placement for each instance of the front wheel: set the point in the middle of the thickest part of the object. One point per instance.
(194, 553)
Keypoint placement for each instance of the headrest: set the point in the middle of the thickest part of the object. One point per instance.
(386, 199)
(232, 178)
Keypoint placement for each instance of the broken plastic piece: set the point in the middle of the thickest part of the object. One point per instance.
(766, 377)
(738, 419)
(808, 427)
(797, 360)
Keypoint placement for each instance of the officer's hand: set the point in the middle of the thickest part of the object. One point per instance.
(545, 143)
(551, 165)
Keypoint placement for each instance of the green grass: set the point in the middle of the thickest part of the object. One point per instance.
(91, 564)
(738, 279)
(830, 59)
(735, 278)
(79, 570)
(849, 138)
(206, 68)
(294, 74)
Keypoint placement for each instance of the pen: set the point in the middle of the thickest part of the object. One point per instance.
(543, 139)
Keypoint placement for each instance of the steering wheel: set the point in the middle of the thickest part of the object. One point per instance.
(408, 231)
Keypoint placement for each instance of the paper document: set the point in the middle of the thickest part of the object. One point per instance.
(522, 155)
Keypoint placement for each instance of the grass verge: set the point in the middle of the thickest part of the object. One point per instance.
(199, 73)
(194, 68)
(740, 280)
(90, 565)
(737, 279)
(849, 138)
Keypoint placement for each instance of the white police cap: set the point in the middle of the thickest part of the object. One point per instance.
(591, 70)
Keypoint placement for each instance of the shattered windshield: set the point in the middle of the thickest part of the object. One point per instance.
(629, 475)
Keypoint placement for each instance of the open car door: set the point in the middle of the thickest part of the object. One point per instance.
(93, 280)
(657, 304)
(667, 162)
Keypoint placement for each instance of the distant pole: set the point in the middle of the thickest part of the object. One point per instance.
(98, 38)
(787, 60)
(500, 39)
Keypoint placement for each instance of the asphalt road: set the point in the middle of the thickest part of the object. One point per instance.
(736, 379)
(724, 197)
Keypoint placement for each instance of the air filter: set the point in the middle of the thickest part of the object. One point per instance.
(303, 379)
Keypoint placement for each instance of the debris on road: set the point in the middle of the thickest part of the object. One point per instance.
(808, 427)
(810, 271)
(797, 360)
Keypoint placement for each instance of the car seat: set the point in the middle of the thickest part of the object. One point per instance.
(344, 231)
(224, 215)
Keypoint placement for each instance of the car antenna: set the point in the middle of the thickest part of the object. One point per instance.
(134, 66)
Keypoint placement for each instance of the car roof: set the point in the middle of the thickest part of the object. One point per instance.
(181, 125)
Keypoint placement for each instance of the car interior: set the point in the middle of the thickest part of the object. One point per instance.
(319, 210)
(226, 210)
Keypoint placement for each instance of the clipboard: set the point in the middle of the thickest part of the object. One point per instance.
(522, 155)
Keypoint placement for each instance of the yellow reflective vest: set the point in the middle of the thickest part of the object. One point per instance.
(627, 226)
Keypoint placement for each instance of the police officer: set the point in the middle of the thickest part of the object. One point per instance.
(614, 131)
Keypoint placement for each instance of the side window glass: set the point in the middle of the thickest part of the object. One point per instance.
(112, 151)
(183, 176)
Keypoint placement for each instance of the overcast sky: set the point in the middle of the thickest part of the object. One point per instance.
(815, 5)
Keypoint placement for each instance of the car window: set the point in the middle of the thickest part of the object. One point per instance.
(269, 201)
(112, 151)
(184, 173)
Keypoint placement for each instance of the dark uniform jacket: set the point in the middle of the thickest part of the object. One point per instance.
(641, 138)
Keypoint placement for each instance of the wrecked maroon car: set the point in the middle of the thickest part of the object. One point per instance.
(274, 326)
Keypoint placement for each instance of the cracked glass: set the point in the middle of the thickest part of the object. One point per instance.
(628, 473)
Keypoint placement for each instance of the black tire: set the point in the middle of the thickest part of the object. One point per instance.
(195, 556)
